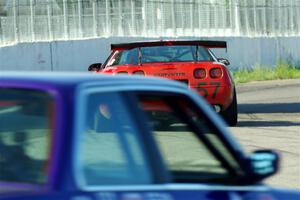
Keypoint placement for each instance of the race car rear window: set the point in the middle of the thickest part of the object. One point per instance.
(182, 53)
(26, 118)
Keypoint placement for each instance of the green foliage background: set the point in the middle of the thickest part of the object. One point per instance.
(282, 70)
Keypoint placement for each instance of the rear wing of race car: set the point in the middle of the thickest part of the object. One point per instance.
(205, 43)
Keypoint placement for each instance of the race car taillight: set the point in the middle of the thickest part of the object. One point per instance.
(122, 72)
(215, 73)
(139, 72)
(199, 73)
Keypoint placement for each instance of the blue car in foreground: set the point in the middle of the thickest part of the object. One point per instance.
(94, 137)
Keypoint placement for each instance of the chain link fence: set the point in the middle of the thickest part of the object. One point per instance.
(48, 20)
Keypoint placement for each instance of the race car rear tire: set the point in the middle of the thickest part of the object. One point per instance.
(230, 115)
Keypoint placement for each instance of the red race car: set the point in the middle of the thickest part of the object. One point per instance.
(190, 62)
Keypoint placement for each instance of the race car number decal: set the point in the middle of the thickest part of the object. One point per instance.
(204, 90)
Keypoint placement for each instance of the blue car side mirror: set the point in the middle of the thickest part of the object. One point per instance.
(263, 163)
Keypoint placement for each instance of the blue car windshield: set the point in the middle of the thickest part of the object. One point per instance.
(179, 53)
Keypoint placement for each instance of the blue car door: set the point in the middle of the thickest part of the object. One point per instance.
(155, 147)
(202, 162)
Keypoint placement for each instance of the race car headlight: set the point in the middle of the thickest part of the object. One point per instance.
(199, 73)
(215, 73)
(139, 72)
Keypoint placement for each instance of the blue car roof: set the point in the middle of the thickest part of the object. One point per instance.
(74, 79)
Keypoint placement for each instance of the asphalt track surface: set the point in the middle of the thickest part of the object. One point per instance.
(269, 118)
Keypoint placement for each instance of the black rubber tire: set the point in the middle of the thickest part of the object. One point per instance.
(230, 115)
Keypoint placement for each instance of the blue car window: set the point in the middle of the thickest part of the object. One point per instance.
(189, 157)
(26, 118)
(111, 153)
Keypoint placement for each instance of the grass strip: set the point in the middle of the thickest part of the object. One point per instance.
(260, 73)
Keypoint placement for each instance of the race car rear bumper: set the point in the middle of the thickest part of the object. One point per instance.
(218, 96)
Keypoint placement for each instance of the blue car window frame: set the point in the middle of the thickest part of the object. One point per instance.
(218, 155)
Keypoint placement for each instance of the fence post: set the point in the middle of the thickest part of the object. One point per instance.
(283, 15)
(15, 19)
(163, 25)
(133, 16)
(32, 20)
(192, 5)
(154, 19)
(80, 18)
(291, 12)
(107, 24)
(286, 14)
(199, 17)
(144, 17)
(247, 26)
(254, 17)
(272, 9)
(95, 24)
(173, 16)
(224, 7)
(264, 18)
(275, 17)
(49, 20)
(183, 24)
(219, 19)
(120, 21)
(216, 18)
(235, 17)
(65, 13)
(208, 11)
(280, 18)
(297, 6)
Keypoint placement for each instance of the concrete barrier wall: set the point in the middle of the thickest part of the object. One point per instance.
(77, 55)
